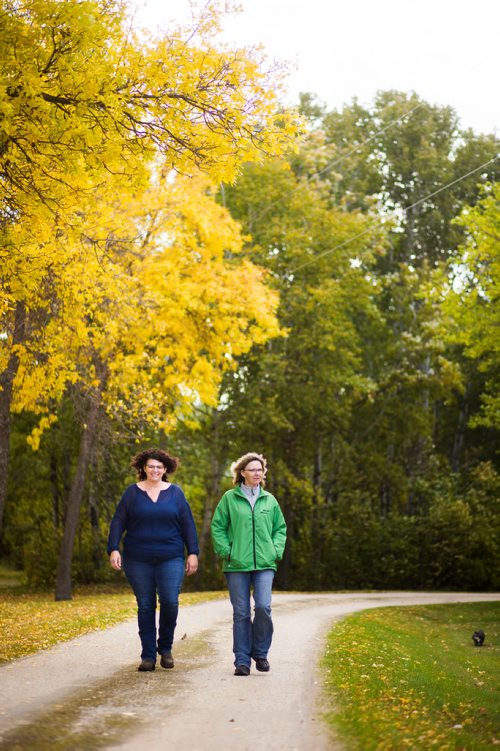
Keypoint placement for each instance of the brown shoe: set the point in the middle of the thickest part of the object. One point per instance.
(146, 666)
(167, 661)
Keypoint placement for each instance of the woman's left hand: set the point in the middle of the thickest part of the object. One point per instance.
(191, 564)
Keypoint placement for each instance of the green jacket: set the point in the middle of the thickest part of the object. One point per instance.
(248, 539)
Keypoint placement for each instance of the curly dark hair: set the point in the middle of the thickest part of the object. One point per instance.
(138, 462)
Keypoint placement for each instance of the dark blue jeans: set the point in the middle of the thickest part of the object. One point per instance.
(148, 579)
(251, 638)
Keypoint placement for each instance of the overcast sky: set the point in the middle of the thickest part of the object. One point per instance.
(448, 51)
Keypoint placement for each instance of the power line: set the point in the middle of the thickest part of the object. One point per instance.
(342, 157)
(408, 208)
(339, 159)
(453, 182)
(360, 146)
(382, 130)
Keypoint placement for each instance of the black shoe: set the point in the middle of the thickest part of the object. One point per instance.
(146, 666)
(262, 664)
(167, 661)
(242, 670)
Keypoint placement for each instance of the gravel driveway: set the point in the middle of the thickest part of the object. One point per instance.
(87, 694)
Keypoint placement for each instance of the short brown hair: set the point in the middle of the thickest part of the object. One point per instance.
(242, 462)
(139, 461)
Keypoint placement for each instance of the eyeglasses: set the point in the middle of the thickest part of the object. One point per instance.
(152, 466)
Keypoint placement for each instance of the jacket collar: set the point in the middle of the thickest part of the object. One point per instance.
(239, 492)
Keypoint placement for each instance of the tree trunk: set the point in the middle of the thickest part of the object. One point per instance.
(411, 232)
(94, 511)
(6, 384)
(459, 437)
(213, 494)
(211, 500)
(56, 495)
(63, 579)
(316, 530)
(385, 499)
(284, 568)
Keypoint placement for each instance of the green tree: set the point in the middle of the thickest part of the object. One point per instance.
(293, 397)
(355, 407)
(422, 170)
(473, 298)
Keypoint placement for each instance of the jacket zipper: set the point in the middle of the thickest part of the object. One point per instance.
(253, 535)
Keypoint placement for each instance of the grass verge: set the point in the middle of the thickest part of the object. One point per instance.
(33, 621)
(410, 678)
(9, 577)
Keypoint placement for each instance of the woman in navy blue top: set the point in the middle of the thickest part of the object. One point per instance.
(159, 529)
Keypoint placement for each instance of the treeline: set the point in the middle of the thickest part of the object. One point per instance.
(335, 307)
(378, 407)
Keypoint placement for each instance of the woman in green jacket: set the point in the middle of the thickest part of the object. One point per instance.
(249, 534)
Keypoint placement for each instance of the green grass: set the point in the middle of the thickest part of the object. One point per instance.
(9, 577)
(410, 678)
(33, 621)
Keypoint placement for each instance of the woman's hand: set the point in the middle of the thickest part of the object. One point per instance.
(191, 564)
(115, 560)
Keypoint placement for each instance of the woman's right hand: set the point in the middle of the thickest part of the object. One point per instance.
(115, 560)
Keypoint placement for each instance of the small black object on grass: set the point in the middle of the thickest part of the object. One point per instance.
(478, 638)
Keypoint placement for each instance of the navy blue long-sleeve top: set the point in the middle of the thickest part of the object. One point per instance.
(154, 530)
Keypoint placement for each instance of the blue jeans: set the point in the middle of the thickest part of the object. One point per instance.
(251, 638)
(147, 579)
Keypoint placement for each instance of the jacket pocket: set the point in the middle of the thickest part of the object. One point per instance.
(266, 554)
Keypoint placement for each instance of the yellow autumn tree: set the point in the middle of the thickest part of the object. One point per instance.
(158, 315)
(83, 97)
(81, 92)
